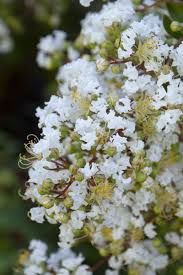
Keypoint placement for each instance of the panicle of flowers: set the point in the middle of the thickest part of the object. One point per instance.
(62, 262)
(110, 154)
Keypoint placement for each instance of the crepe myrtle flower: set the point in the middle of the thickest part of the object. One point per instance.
(107, 167)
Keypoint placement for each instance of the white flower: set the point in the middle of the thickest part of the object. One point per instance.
(38, 251)
(63, 271)
(94, 25)
(84, 270)
(177, 56)
(145, 254)
(123, 105)
(72, 263)
(111, 272)
(167, 121)
(175, 239)
(89, 170)
(77, 218)
(62, 262)
(80, 74)
(33, 270)
(78, 192)
(149, 230)
(37, 214)
(48, 46)
(72, 54)
(128, 41)
(154, 153)
(119, 142)
(85, 3)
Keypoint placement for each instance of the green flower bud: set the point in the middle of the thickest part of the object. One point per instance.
(103, 252)
(81, 163)
(140, 177)
(68, 202)
(157, 210)
(73, 169)
(54, 154)
(108, 46)
(102, 65)
(45, 187)
(103, 53)
(79, 177)
(78, 232)
(79, 155)
(176, 26)
(64, 131)
(117, 43)
(74, 148)
(154, 172)
(86, 230)
(111, 151)
(75, 137)
(99, 179)
(94, 97)
(63, 218)
(116, 69)
(47, 202)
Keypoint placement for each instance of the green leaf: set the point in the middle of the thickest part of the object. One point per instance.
(176, 10)
(167, 22)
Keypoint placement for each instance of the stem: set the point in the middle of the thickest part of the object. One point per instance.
(100, 263)
(117, 61)
(63, 191)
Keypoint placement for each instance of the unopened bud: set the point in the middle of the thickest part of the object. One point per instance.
(140, 177)
(47, 202)
(54, 154)
(116, 69)
(111, 151)
(45, 187)
(102, 64)
(68, 202)
(79, 177)
(63, 218)
(81, 163)
(176, 26)
(103, 252)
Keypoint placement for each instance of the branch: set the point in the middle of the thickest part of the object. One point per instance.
(117, 61)
(100, 263)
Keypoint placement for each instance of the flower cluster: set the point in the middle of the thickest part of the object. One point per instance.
(6, 43)
(108, 165)
(50, 49)
(62, 262)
